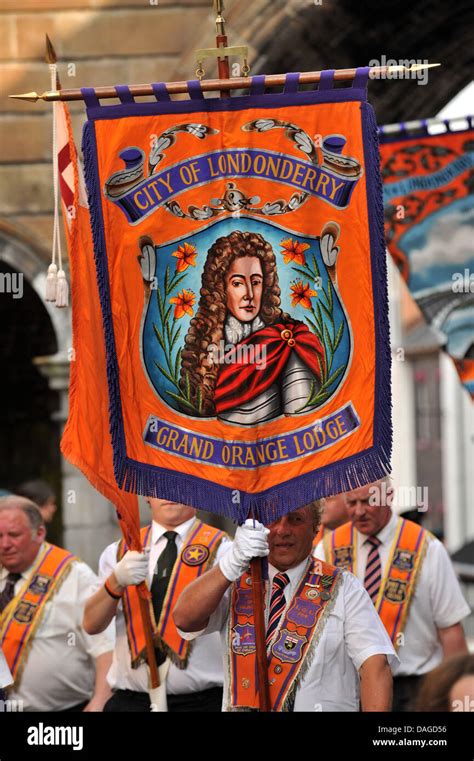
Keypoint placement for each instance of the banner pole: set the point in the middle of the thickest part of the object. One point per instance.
(216, 85)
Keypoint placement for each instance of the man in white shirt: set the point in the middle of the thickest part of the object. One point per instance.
(5, 675)
(408, 574)
(327, 649)
(43, 588)
(177, 547)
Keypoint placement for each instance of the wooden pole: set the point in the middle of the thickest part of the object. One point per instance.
(216, 85)
(258, 596)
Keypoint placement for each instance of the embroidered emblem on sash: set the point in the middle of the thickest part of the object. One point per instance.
(404, 560)
(288, 647)
(342, 556)
(395, 590)
(40, 584)
(244, 602)
(195, 554)
(25, 612)
(303, 612)
(243, 639)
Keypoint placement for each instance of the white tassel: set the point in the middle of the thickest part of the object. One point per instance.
(62, 291)
(51, 282)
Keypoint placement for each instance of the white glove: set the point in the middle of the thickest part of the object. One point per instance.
(250, 541)
(133, 568)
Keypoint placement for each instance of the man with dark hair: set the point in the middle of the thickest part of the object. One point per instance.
(326, 645)
(41, 494)
(43, 589)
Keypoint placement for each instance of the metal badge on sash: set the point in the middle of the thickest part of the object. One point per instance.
(288, 647)
(243, 639)
(40, 584)
(404, 560)
(395, 590)
(195, 554)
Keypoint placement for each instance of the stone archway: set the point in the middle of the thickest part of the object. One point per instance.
(30, 435)
(35, 346)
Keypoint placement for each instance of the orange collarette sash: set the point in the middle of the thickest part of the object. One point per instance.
(20, 618)
(399, 581)
(301, 626)
(195, 557)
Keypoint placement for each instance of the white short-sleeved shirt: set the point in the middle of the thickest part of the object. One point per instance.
(5, 675)
(353, 633)
(436, 603)
(204, 668)
(60, 668)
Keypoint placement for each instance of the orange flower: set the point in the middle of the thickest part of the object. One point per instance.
(186, 256)
(302, 294)
(184, 303)
(293, 251)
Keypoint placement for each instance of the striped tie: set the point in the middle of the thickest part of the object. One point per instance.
(373, 569)
(277, 603)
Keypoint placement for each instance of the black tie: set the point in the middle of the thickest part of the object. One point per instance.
(8, 592)
(161, 580)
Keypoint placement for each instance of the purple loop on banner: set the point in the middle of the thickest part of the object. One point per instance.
(326, 79)
(361, 77)
(257, 86)
(292, 81)
(447, 124)
(123, 92)
(160, 91)
(195, 89)
(90, 98)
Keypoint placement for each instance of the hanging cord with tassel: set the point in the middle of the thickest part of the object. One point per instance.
(57, 289)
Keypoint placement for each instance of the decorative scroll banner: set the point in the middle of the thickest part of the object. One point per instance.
(241, 273)
(429, 227)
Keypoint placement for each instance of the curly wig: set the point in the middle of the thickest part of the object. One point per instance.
(207, 326)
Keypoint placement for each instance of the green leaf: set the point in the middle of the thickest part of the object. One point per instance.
(315, 265)
(177, 363)
(337, 340)
(176, 280)
(311, 391)
(327, 339)
(313, 326)
(187, 385)
(165, 373)
(182, 400)
(159, 337)
(320, 315)
(175, 338)
(322, 369)
(326, 310)
(199, 399)
(320, 397)
(333, 377)
(167, 280)
(330, 299)
(306, 273)
(161, 306)
(168, 335)
(167, 313)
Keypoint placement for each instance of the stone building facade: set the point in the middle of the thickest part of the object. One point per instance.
(102, 42)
